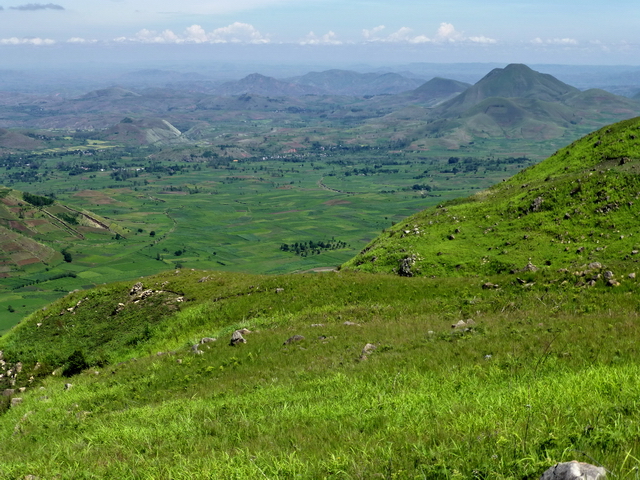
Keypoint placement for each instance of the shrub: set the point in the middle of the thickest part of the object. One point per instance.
(76, 363)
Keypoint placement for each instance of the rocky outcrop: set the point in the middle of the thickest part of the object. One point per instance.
(237, 338)
(574, 471)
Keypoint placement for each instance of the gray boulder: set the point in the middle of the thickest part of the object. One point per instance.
(295, 338)
(237, 338)
(574, 470)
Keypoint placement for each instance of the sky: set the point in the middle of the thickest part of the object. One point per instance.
(574, 32)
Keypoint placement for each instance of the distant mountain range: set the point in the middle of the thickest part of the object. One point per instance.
(514, 102)
(518, 102)
(330, 82)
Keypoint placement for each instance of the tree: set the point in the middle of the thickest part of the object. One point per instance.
(152, 233)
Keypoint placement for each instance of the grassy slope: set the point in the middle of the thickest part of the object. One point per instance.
(548, 371)
(525, 388)
(588, 214)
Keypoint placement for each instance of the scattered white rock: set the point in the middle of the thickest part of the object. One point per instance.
(366, 350)
(574, 471)
(237, 338)
(295, 338)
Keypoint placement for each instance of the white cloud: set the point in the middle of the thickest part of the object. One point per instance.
(372, 34)
(329, 38)
(483, 39)
(235, 33)
(238, 33)
(80, 40)
(554, 41)
(27, 41)
(446, 33)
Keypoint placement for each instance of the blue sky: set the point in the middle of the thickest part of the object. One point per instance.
(560, 31)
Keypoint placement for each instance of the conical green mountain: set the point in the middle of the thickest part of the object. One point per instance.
(518, 102)
(513, 81)
(438, 89)
(578, 207)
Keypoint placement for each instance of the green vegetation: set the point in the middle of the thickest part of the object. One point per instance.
(574, 209)
(477, 373)
(312, 247)
(219, 213)
(37, 200)
(503, 398)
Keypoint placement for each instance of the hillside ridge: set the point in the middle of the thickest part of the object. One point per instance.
(573, 209)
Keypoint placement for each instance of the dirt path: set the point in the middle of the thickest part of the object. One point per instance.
(322, 185)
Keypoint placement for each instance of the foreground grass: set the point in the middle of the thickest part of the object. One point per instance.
(547, 373)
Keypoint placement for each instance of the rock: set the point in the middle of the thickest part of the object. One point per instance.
(452, 237)
(348, 323)
(632, 275)
(317, 324)
(68, 386)
(295, 338)
(574, 471)
(404, 270)
(136, 289)
(207, 340)
(244, 331)
(237, 338)
(612, 282)
(608, 275)
(16, 401)
(279, 290)
(530, 267)
(536, 204)
(489, 286)
(8, 392)
(595, 266)
(22, 389)
(366, 350)
(194, 350)
(463, 326)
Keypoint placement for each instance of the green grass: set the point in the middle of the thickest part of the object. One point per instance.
(232, 217)
(587, 214)
(548, 373)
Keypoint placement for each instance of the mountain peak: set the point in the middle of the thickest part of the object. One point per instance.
(514, 81)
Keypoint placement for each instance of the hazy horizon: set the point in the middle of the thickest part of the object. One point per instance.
(318, 31)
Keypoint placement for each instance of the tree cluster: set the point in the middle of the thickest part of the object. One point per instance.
(311, 247)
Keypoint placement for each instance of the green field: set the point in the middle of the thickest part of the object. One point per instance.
(218, 212)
